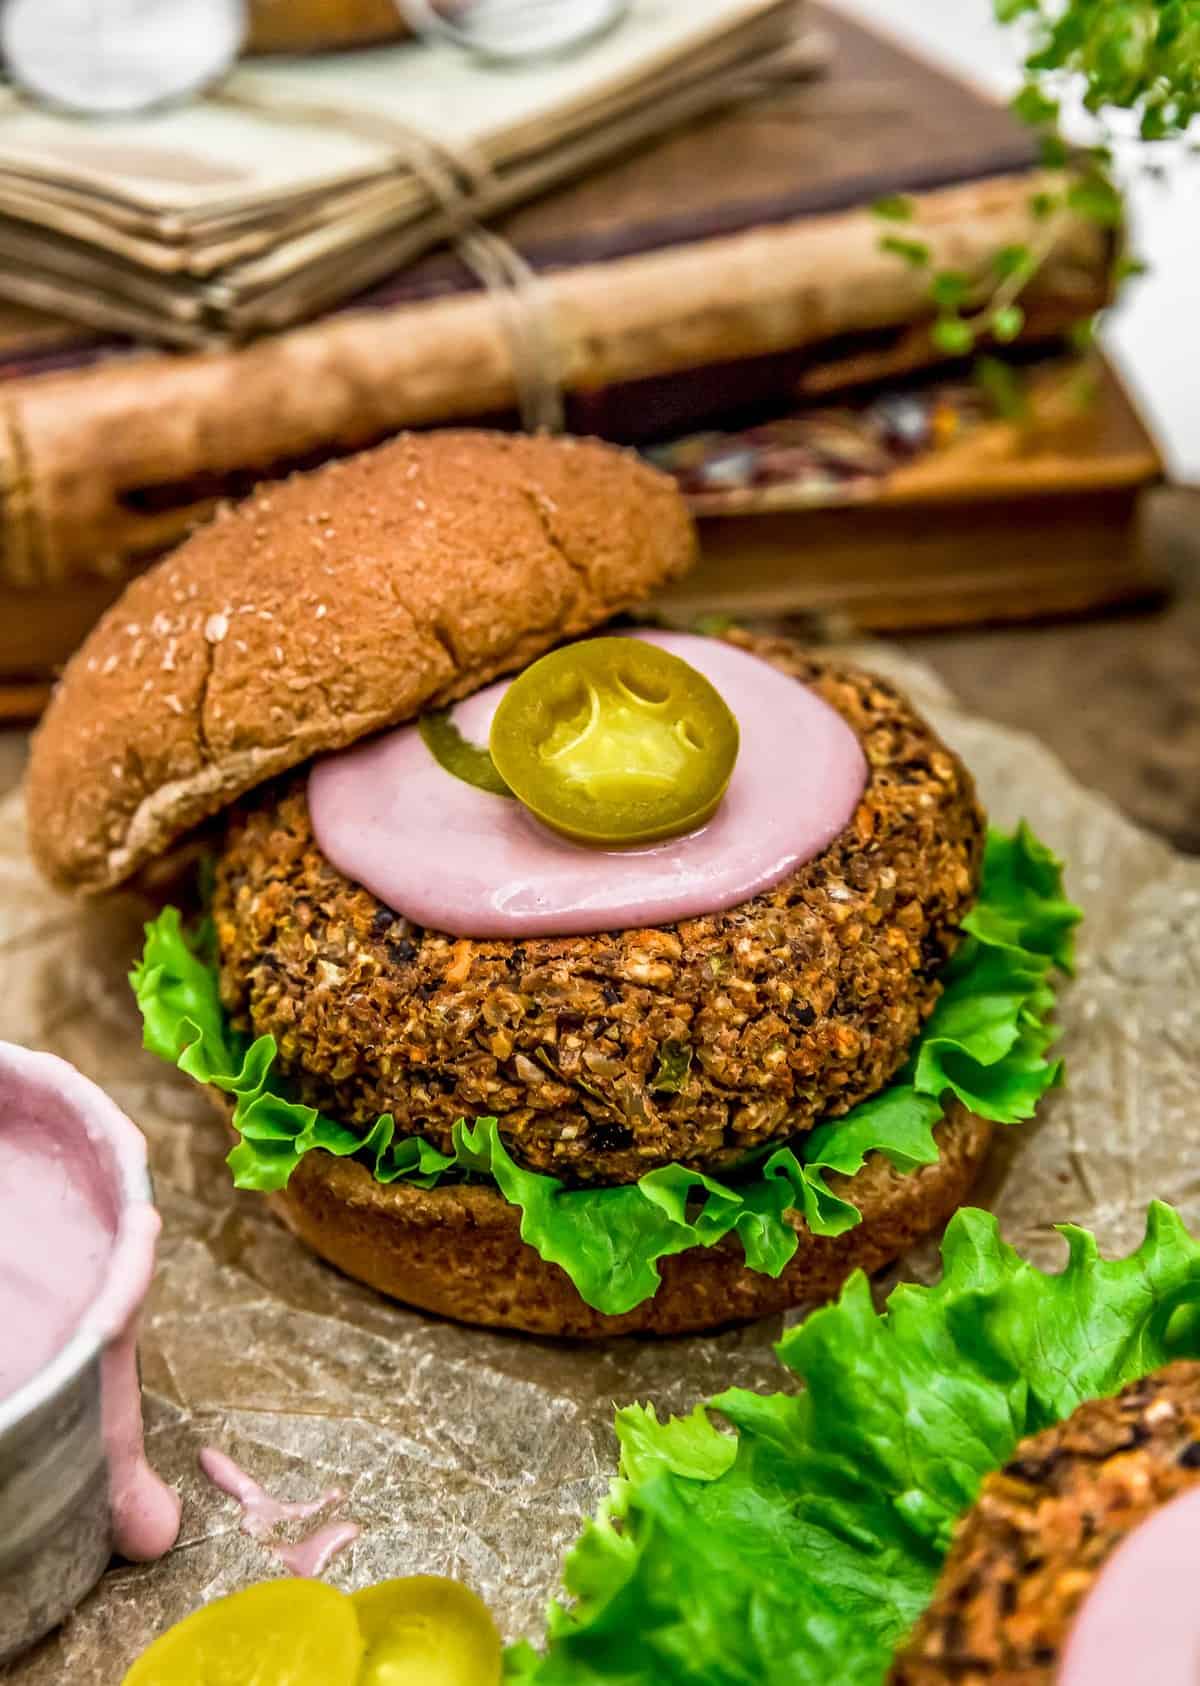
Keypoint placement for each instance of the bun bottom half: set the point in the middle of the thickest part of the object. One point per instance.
(458, 1252)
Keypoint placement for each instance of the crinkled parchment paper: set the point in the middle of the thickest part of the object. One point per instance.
(475, 1454)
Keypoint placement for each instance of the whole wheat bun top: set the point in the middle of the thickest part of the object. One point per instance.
(326, 608)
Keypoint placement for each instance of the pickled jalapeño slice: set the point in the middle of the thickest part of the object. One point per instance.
(615, 742)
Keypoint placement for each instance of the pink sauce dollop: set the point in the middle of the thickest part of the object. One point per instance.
(456, 859)
(76, 1259)
(1140, 1624)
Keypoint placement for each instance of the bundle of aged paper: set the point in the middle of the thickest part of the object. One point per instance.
(475, 1454)
(297, 182)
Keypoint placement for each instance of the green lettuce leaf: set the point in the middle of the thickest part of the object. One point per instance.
(802, 1546)
(986, 1042)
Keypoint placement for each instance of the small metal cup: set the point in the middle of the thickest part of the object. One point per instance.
(55, 1527)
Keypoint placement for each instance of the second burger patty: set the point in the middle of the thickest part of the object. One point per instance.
(1027, 1554)
(604, 1056)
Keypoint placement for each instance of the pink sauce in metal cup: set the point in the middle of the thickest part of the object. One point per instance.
(58, 1226)
(1140, 1624)
(77, 1240)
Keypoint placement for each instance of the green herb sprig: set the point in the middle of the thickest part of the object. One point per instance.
(1126, 56)
(1140, 56)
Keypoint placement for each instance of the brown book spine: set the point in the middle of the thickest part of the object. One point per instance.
(116, 462)
(996, 522)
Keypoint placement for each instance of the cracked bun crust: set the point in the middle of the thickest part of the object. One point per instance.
(607, 1055)
(321, 610)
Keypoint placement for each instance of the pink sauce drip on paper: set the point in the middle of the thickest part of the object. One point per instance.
(76, 1259)
(457, 859)
(310, 1557)
(1140, 1624)
(263, 1515)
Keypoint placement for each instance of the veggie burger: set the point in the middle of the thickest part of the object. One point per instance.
(577, 984)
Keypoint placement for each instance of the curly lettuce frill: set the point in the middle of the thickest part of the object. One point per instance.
(986, 1043)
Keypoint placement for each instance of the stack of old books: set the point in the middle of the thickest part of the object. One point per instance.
(296, 182)
(722, 299)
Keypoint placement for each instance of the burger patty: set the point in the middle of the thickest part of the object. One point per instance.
(604, 1056)
(1026, 1555)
